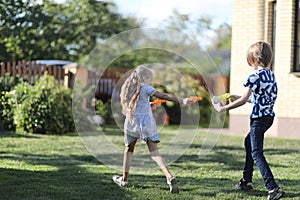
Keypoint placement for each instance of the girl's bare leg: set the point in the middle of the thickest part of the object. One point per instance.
(152, 146)
(128, 159)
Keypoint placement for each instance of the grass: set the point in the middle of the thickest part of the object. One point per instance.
(59, 167)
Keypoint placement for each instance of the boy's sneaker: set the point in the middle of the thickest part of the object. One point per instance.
(244, 185)
(277, 193)
(119, 180)
(172, 182)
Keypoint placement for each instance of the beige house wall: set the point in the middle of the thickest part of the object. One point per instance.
(252, 21)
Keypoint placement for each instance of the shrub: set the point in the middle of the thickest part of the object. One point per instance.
(104, 110)
(179, 87)
(7, 102)
(7, 82)
(45, 107)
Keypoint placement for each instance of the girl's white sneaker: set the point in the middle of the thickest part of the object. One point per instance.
(119, 180)
(172, 182)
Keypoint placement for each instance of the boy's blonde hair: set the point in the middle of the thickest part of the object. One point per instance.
(131, 89)
(260, 53)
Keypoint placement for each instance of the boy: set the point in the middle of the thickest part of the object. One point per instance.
(261, 86)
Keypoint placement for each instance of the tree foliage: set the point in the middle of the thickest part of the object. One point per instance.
(47, 30)
(222, 37)
(198, 35)
(196, 28)
(201, 29)
(70, 31)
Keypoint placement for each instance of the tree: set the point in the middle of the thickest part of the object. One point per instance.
(222, 38)
(19, 27)
(216, 41)
(195, 28)
(173, 48)
(68, 31)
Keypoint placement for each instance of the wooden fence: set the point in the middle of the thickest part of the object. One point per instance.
(104, 79)
(31, 70)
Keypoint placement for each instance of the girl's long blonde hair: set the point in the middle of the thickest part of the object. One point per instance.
(131, 89)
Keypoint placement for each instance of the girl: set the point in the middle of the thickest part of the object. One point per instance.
(261, 86)
(140, 124)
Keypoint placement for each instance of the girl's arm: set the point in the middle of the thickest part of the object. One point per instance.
(237, 103)
(171, 97)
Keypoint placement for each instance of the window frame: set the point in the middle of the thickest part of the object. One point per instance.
(273, 6)
(296, 64)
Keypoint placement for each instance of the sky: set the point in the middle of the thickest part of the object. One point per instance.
(155, 11)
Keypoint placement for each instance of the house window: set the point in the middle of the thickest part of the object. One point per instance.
(297, 37)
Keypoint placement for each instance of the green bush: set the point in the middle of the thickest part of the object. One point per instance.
(103, 109)
(45, 107)
(201, 109)
(6, 84)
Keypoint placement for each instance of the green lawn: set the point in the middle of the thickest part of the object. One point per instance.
(59, 167)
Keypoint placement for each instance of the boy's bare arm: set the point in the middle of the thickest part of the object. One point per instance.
(237, 103)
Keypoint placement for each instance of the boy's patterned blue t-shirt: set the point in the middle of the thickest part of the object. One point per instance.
(264, 92)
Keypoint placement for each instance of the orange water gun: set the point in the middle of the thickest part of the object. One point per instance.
(195, 99)
(159, 101)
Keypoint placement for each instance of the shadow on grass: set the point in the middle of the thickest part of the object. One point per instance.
(205, 188)
(57, 177)
(65, 183)
(226, 157)
(41, 176)
(277, 151)
(230, 156)
(76, 176)
(285, 184)
(70, 180)
(50, 160)
(112, 131)
(268, 151)
(4, 134)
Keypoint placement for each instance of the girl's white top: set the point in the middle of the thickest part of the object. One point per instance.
(143, 125)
